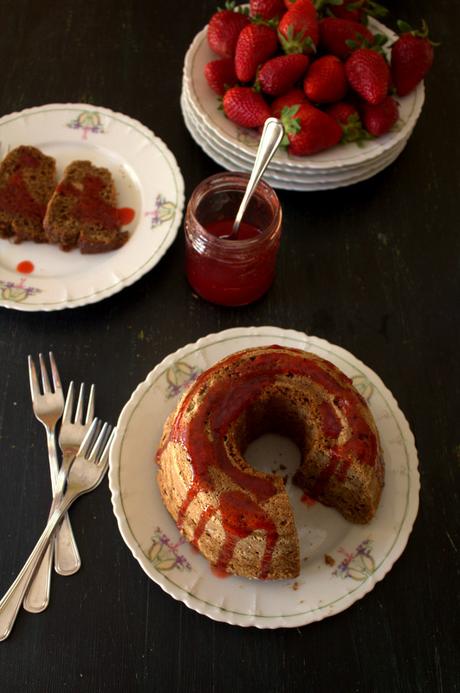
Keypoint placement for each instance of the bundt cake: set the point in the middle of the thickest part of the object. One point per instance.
(27, 180)
(239, 518)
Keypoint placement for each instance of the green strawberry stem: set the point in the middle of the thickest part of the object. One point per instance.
(405, 28)
(291, 124)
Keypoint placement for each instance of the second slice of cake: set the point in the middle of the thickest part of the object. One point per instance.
(82, 211)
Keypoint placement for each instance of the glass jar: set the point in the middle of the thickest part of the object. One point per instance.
(231, 272)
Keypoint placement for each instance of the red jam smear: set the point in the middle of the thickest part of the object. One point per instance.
(90, 207)
(222, 403)
(25, 267)
(16, 199)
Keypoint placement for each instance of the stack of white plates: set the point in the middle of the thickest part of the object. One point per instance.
(234, 148)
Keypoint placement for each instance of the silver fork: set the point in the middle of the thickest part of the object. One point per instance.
(85, 474)
(71, 435)
(48, 408)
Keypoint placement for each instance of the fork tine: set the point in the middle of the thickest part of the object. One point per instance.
(100, 443)
(104, 458)
(44, 374)
(90, 408)
(89, 438)
(79, 411)
(33, 379)
(68, 407)
(55, 373)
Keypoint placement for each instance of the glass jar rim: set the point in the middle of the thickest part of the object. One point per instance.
(262, 187)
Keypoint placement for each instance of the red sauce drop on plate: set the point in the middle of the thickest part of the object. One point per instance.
(125, 215)
(305, 498)
(25, 267)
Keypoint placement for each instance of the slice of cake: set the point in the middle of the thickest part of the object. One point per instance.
(82, 211)
(27, 181)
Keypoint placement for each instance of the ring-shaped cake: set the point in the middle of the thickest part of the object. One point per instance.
(239, 518)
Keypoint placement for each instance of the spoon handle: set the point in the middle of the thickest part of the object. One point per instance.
(272, 135)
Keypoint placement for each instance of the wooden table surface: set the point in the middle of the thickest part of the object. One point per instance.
(373, 268)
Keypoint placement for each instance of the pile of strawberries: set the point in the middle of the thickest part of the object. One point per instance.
(316, 65)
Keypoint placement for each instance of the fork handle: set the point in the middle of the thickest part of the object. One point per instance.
(66, 556)
(10, 603)
(67, 560)
(38, 595)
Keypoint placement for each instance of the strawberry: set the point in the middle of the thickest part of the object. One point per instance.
(266, 9)
(334, 34)
(350, 9)
(354, 10)
(293, 98)
(348, 118)
(309, 130)
(411, 57)
(306, 5)
(368, 74)
(279, 74)
(223, 31)
(220, 74)
(326, 80)
(380, 119)
(255, 44)
(245, 107)
(298, 30)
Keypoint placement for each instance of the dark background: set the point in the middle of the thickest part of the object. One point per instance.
(373, 268)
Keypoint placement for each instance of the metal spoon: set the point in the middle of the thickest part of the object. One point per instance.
(272, 135)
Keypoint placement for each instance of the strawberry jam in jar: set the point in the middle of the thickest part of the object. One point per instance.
(231, 271)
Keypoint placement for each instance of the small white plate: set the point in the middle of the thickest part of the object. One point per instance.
(289, 181)
(341, 562)
(147, 180)
(206, 104)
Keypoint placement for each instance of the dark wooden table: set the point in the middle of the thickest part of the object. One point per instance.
(373, 268)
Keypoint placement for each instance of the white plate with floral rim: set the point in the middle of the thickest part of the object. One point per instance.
(148, 181)
(341, 562)
(288, 181)
(206, 103)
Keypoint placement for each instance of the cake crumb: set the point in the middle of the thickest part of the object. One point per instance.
(295, 586)
(328, 559)
(283, 466)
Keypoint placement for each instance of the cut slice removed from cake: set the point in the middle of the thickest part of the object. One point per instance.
(82, 211)
(27, 181)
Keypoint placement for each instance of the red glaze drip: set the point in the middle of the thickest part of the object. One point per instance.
(223, 227)
(222, 404)
(25, 267)
(330, 421)
(218, 572)
(199, 529)
(16, 199)
(90, 207)
(240, 518)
